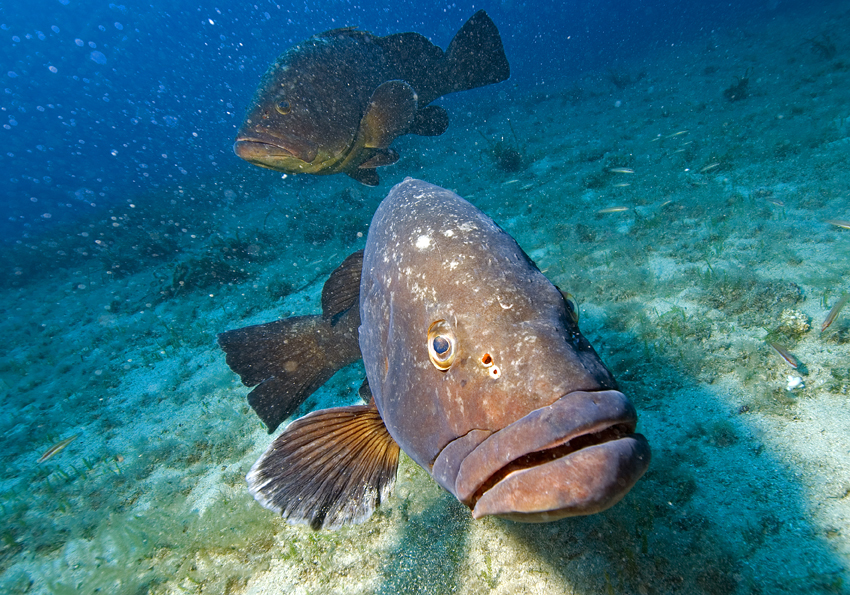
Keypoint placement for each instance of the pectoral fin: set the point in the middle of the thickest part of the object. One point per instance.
(328, 469)
(390, 112)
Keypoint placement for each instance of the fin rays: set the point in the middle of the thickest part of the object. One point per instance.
(328, 469)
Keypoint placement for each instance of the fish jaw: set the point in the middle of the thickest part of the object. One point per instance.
(575, 457)
(288, 154)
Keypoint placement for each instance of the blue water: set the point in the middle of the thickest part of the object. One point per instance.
(103, 100)
(131, 234)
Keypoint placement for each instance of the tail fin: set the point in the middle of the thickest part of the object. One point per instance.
(330, 468)
(475, 57)
(287, 360)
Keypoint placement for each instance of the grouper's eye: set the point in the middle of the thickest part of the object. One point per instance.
(283, 107)
(442, 345)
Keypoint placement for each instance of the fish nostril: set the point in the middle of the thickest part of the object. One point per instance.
(487, 360)
(495, 372)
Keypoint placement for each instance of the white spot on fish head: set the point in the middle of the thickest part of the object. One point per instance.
(423, 242)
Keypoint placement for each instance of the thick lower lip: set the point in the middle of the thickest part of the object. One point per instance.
(266, 152)
(577, 456)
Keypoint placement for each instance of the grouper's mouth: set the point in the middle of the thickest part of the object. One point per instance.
(578, 456)
(274, 152)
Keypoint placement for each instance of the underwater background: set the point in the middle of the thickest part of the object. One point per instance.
(682, 170)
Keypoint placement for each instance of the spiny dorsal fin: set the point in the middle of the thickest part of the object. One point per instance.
(342, 289)
(328, 469)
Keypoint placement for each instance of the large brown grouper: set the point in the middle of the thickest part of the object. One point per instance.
(335, 102)
(475, 366)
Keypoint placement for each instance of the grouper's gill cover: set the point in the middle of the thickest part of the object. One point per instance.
(476, 367)
(334, 103)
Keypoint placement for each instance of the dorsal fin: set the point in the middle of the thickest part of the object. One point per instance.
(328, 469)
(417, 61)
(352, 31)
(342, 289)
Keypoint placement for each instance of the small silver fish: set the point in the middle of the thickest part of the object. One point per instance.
(612, 210)
(786, 355)
(56, 448)
(621, 170)
(838, 223)
(833, 313)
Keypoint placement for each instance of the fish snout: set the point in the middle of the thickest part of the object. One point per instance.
(578, 456)
(273, 152)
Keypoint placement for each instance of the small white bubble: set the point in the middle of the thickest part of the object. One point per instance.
(212, 22)
(118, 26)
(55, 29)
(54, 70)
(79, 42)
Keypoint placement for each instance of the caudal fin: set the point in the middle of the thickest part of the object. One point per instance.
(330, 468)
(287, 360)
(476, 57)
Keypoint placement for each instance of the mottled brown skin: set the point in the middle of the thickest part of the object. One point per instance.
(476, 368)
(548, 435)
(335, 102)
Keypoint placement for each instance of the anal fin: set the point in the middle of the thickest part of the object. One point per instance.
(328, 469)
(366, 176)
